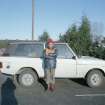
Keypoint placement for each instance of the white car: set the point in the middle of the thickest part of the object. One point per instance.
(24, 61)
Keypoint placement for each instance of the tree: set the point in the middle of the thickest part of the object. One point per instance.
(62, 38)
(103, 41)
(85, 36)
(72, 38)
(79, 38)
(44, 37)
(97, 29)
(81, 41)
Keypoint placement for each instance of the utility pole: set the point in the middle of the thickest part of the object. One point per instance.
(33, 14)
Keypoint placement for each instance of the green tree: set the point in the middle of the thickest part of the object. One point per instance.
(103, 41)
(71, 37)
(85, 36)
(44, 37)
(79, 38)
(81, 41)
(62, 38)
(3, 43)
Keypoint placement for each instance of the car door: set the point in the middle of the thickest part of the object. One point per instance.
(66, 65)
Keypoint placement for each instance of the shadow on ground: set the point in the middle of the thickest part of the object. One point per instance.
(8, 93)
(80, 82)
(43, 83)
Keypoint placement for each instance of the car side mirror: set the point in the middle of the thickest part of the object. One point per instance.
(74, 57)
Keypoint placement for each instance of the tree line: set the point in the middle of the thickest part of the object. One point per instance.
(81, 39)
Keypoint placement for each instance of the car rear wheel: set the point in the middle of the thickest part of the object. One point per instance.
(95, 78)
(28, 78)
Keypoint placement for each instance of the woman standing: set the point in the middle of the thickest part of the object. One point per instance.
(50, 64)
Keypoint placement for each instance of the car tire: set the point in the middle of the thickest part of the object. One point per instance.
(95, 78)
(28, 78)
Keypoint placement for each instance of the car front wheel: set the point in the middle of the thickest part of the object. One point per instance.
(95, 78)
(27, 78)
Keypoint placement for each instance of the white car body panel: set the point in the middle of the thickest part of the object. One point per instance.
(16, 63)
(66, 68)
(85, 63)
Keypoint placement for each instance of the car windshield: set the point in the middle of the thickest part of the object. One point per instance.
(29, 50)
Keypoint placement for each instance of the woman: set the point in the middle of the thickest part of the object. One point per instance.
(50, 64)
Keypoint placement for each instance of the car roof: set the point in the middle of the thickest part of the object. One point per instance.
(33, 42)
(27, 42)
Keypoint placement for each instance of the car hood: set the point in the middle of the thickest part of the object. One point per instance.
(90, 60)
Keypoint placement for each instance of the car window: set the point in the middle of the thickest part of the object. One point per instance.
(10, 50)
(63, 51)
(29, 50)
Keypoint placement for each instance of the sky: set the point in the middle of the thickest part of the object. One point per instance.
(53, 16)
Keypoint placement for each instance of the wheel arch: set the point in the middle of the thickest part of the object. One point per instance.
(23, 68)
(93, 70)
